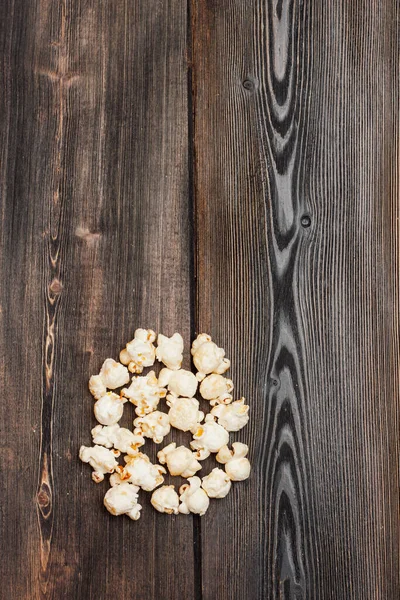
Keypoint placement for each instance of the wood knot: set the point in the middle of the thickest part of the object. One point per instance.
(88, 236)
(305, 221)
(43, 499)
(56, 286)
(249, 85)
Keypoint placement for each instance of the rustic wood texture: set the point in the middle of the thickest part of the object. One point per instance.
(229, 167)
(95, 242)
(297, 204)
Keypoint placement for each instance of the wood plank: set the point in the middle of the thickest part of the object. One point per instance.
(95, 242)
(297, 203)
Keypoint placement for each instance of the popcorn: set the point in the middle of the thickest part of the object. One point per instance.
(180, 461)
(207, 357)
(100, 459)
(166, 500)
(237, 467)
(155, 425)
(113, 374)
(193, 498)
(184, 413)
(122, 500)
(109, 409)
(210, 433)
(140, 352)
(216, 388)
(140, 471)
(145, 393)
(180, 383)
(113, 435)
(169, 350)
(217, 484)
(232, 417)
(208, 437)
(97, 387)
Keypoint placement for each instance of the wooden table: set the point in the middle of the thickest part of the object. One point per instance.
(226, 166)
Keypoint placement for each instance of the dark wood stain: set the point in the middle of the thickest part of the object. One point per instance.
(229, 167)
(296, 138)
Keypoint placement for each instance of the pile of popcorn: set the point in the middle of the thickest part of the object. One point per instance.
(178, 388)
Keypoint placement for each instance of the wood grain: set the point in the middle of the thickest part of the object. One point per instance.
(297, 200)
(95, 242)
(230, 167)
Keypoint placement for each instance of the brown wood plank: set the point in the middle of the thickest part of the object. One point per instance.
(297, 203)
(95, 242)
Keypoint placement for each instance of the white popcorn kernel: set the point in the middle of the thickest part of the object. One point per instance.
(207, 357)
(217, 484)
(193, 498)
(224, 399)
(122, 439)
(140, 471)
(208, 437)
(180, 383)
(165, 500)
(180, 461)
(170, 350)
(109, 409)
(232, 417)
(145, 393)
(100, 459)
(155, 425)
(141, 350)
(122, 500)
(97, 387)
(124, 357)
(115, 479)
(237, 467)
(184, 413)
(215, 387)
(113, 374)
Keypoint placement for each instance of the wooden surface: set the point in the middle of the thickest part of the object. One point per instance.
(225, 166)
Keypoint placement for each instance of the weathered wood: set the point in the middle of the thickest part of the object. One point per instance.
(290, 169)
(297, 204)
(95, 242)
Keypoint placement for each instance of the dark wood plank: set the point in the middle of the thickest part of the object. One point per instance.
(297, 203)
(95, 242)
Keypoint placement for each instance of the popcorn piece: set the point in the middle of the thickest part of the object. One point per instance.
(180, 461)
(217, 484)
(122, 500)
(233, 416)
(207, 357)
(124, 357)
(184, 413)
(115, 479)
(166, 500)
(193, 498)
(140, 471)
(140, 351)
(217, 389)
(122, 439)
(180, 383)
(100, 459)
(155, 425)
(170, 350)
(113, 374)
(109, 409)
(237, 467)
(145, 393)
(97, 387)
(208, 437)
